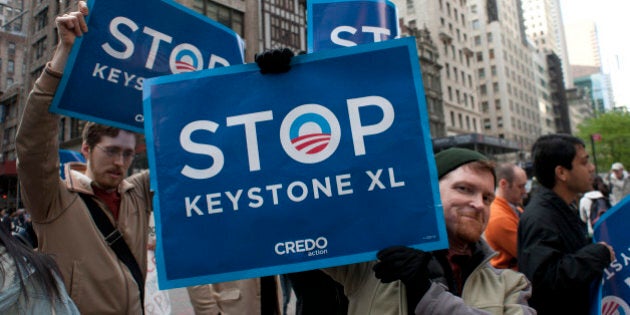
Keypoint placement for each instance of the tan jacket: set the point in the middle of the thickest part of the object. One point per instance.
(486, 291)
(231, 298)
(98, 282)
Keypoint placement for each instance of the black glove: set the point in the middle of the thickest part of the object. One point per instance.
(408, 265)
(274, 61)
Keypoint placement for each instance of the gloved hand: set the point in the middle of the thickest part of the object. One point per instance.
(408, 265)
(274, 61)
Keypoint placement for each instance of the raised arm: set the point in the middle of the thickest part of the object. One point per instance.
(37, 143)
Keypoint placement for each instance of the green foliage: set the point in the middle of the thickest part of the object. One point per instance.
(614, 146)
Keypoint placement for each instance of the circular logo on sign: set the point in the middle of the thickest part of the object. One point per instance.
(185, 58)
(310, 133)
(613, 305)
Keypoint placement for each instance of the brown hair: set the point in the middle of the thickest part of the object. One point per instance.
(484, 165)
(93, 132)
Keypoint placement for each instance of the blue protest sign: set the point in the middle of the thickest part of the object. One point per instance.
(129, 41)
(66, 156)
(346, 23)
(267, 174)
(612, 228)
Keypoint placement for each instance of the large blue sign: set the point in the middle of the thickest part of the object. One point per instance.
(612, 228)
(346, 23)
(267, 174)
(129, 41)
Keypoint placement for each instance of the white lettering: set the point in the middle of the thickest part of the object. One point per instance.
(359, 131)
(113, 29)
(251, 138)
(205, 149)
(343, 181)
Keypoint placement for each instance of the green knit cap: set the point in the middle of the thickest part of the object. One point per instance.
(452, 158)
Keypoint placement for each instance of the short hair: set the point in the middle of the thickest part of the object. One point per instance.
(550, 151)
(93, 132)
(505, 171)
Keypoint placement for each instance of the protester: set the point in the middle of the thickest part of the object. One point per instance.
(64, 212)
(619, 183)
(29, 281)
(553, 247)
(594, 203)
(459, 280)
(505, 211)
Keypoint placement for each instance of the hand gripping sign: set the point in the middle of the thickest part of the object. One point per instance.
(267, 174)
(129, 41)
(614, 291)
(346, 23)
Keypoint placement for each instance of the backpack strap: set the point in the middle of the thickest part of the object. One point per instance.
(114, 239)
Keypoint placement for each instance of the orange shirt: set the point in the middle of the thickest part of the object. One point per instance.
(501, 233)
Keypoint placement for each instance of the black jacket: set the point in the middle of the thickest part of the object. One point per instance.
(556, 256)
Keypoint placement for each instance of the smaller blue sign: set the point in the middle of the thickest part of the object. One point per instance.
(66, 156)
(130, 41)
(612, 228)
(346, 23)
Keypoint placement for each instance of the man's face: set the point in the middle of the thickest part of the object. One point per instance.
(618, 173)
(466, 195)
(580, 178)
(109, 160)
(515, 191)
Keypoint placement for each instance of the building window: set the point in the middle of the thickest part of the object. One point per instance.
(477, 40)
(483, 89)
(10, 66)
(486, 124)
(476, 24)
(41, 19)
(227, 16)
(481, 73)
(40, 48)
(484, 107)
(11, 49)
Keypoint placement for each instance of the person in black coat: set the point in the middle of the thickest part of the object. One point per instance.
(554, 251)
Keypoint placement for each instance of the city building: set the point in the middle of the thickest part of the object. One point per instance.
(13, 57)
(543, 93)
(580, 107)
(431, 78)
(545, 28)
(583, 43)
(505, 72)
(597, 86)
(450, 26)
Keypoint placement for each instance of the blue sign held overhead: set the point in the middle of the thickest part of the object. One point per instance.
(346, 23)
(267, 174)
(614, 291)
(130, 41)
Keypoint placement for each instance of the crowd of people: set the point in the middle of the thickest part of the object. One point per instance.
(504, 257)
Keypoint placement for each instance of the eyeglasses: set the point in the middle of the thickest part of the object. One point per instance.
(114, 152)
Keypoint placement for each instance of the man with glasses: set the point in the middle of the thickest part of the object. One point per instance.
(66, 214)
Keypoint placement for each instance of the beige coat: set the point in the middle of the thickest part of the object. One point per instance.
(97, 281)
(231, 298)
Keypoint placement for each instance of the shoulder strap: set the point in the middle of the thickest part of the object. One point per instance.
(114, 239)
